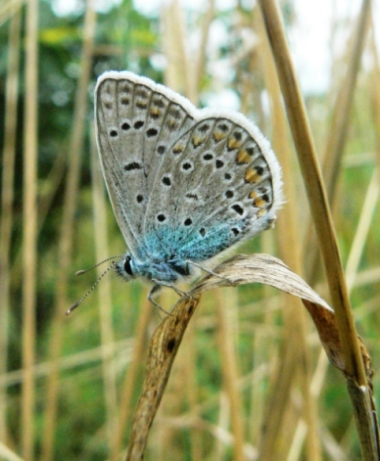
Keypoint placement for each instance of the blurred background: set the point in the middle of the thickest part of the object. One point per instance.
(250, 380)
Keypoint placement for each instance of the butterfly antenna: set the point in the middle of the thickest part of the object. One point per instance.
(81, 272)
(75, 305)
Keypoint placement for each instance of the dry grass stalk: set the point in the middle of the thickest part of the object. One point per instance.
(201, 54)
(9, 8)
(261, 345)
(167, 338)
(193, 392)
(184, 69)
(130, 379)
(367, 277)
(46, 199)
(161, 355)
(7, 194)
(224, 308)
(354, 367)
(361, 234)
(71, 362)
(290, 251)
(277, 403)
(104, 294)
(8, 455)
(376, 92)
(174, 399)
(29, 283)
(173, 44)
(67, 228)
(337, 136)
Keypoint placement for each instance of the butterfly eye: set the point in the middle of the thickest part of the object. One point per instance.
(127, 265)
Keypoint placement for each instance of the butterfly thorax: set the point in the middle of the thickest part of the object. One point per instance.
(157, 269)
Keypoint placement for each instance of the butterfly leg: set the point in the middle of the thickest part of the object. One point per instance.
(209, 271)
(154, 290)
(173, 287)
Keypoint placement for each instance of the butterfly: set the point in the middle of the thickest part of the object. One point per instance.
(185, 184)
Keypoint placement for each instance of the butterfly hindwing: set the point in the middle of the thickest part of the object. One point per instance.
(219, 183)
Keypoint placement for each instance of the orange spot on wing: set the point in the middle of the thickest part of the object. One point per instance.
(178, 148)
(155, 111)
(243, 156)
(172, 123)
(197, 141)
(251, 175)
(259, 202)
(218, 135)
(233, 143)
(261, 212)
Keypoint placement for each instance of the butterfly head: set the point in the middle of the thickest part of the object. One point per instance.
(126, 268)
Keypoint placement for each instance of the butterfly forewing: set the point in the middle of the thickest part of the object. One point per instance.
(136, 120)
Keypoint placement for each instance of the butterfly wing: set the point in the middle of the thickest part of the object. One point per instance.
(135, 121)
(219, 184)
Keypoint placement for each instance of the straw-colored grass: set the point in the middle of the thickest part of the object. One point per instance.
(29, 279)
(235, 372)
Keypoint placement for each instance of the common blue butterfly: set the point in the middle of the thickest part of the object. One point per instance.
(185, 184)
